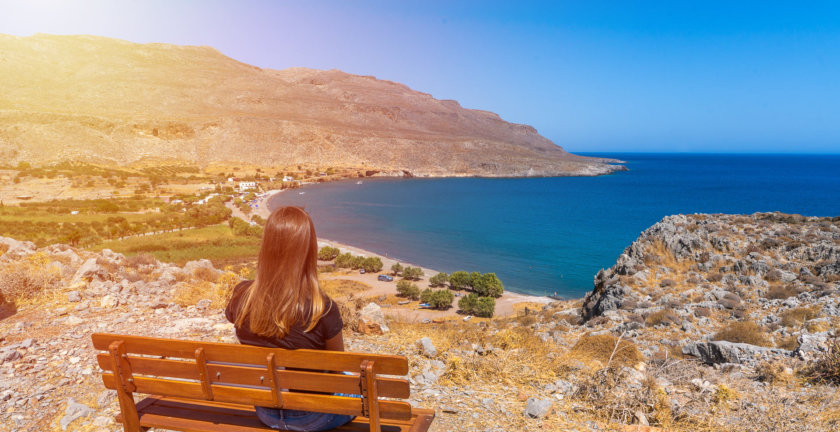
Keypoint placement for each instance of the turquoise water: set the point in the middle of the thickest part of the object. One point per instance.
(547, 235)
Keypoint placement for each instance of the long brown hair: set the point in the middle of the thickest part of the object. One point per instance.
(285, 291)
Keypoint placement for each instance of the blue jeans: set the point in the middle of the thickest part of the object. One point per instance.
(302, 421)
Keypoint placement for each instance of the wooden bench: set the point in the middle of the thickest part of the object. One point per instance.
(205, 386)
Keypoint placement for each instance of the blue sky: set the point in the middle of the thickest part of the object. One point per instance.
(589, 75)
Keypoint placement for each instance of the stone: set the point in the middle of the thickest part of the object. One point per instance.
(538, 408)
(88, 271)
(718, 352)
(109, 302)
(427, 348)
(372, 320)
(203, 304)
(74, 297)
(102, 421)
(811, 345)
(74, 411)
(74, 320)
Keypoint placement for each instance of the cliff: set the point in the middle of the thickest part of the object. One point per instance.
(106, 100)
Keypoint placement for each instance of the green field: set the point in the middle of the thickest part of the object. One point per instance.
(216, 243)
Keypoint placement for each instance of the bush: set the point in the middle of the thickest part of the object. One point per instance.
(408, 289)
(460, 280)
(743, 332)
(344, 260)
(485, 307)
(396, 269)
(372, 264)
(826, 368)
(439, 280)
(426, 295)
(472, 304)
(487, 285)
(440, 299)
(328, 253)
(797, 316)
(608, 350)
(781, 292)
(412, 273)
(662, 316)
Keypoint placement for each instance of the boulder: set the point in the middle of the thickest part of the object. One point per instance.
(372, 320)
(538, 408)
(718, 352)
(427, 348)
(88, 271)
(16, 249)
(74, 411)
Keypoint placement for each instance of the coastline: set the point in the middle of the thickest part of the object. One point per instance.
(505, 305)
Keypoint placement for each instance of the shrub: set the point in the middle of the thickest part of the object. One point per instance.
(662, 316)
(344, 260)
(467, 303)
(28, 277)
(396, 269)
(459, 280)
(826, 368)
(781, 292)
(439, 279)
(743, 332)
(608, 350)
(328, 253)
(426, 295)
(408, 290)
(372, 264)
(412, 273)
(797, 316)
(441, 299)
(485, 307)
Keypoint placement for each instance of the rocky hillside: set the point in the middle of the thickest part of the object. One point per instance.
(705, 323)
(107, 100)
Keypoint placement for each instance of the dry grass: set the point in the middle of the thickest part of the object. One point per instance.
(797, 316)
(342, 288)
(664, 317)
(607, 350)
(743, 332)
(218, 293)
(27, 279)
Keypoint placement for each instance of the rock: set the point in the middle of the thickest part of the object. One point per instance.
(16, 249)
(102, 421)
(9, 355)
(811, 345)
(74, 411)
(538, 408)
(203, 304)
(372, 320)
(717, 352)
(182, 325)
(74, 320)
(74, 297)
(88, 271)
(427, 348)
(109, 302)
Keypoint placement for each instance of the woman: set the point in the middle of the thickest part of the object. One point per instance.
(284, 307)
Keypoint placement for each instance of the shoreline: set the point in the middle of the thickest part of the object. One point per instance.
(505, 305)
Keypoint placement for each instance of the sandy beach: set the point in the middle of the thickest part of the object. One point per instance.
(505, 305)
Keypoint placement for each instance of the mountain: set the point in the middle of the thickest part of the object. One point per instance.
(107, 100)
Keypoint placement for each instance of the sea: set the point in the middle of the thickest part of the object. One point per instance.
(547, 236)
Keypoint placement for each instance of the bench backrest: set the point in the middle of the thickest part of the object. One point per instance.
(250, 375)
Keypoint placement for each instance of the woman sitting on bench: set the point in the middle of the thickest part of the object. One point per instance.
(284, 307)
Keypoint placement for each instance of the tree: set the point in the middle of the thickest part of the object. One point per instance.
(426, 295)
(344, 260)
(396, 269)
(460, 280)
(413, 273)
(441, 299)
(485, 307)
(439, 280)
(408, 289)
(488, 285)
(372, 264)
(467, 303)
(475, 277)
(328, 253)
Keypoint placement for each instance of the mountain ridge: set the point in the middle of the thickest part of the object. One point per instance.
(83, 97)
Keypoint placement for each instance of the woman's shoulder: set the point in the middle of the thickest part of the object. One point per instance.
(235, 296)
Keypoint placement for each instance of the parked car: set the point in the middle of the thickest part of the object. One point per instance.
(362, 271)
(386, 278)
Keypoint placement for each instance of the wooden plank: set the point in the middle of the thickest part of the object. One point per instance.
(220, 352)
(175, 414)
(250, 375)
(423, 420)
(262, 397)
(131, 420)
(372, 395)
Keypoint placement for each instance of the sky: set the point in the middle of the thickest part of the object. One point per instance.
(592, 76)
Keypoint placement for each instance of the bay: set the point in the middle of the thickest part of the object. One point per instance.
(552, 235)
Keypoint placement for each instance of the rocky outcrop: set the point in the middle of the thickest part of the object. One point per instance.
(718, 352)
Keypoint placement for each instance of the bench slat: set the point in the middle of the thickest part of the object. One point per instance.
(250, 375)
(238, 395)
(195, 416)
(221, 352)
